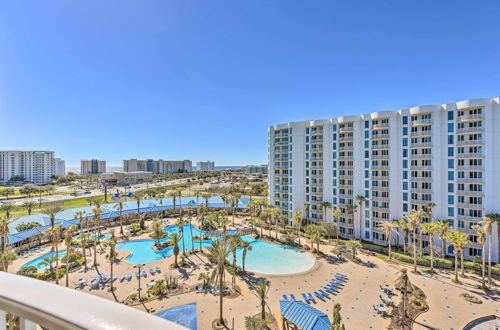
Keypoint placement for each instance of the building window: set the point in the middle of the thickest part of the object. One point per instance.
(405, 185)
(450, 163)
(450, 127)
(450, 151)
(405, 142)
(367, 124)
(450, 139)
(405, 120)
(405, 131)
(451, 212)
(450, 115)
(451, 199)
(451, 175)
(367, 134)
(451, 187)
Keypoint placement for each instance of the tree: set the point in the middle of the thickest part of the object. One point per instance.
(235, 242)
(245, 246)
(325, 205)
(428, 212)
(255, 323)
(4, 232)
(481, 238)
(68, 241)
(329, 230)
(307, 206)
(459, 240)
(310, 230)
(158, 232)
(443, 227)
(297, 219)
(403, 285)
(261, 290)
(49, 262)
(55, 240)
(84, 238)
(219, 252)
(336, 212)
(388, 228)
(119, 207)
(29, 205)
(360, 199)
(487, 223)
(52, 211)
(431, 229)
(7, 208)
(111, 244)
(414, 219)
(234, 199)
(180, 223)
(405, 230)
(337, 323)
(353, 245)
(351, 208)
(6, 258)
(174, 240)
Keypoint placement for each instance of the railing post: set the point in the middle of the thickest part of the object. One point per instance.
(3, 320)
(26, 324)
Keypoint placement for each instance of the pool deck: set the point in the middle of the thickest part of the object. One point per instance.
(447, 309)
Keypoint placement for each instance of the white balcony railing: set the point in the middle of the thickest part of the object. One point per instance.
(55, 307)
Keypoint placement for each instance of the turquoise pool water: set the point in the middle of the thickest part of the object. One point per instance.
(62, 253)
(184, 315)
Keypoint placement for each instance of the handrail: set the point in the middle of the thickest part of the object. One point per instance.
(58, 307)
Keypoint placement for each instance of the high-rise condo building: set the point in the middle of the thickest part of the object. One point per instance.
(59, 167)
(205, 166)
(444, 158)
(32, 166)
(92, 166)
(157, 166)
(255, 169)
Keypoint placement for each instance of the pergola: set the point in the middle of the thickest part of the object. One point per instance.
(299, 315)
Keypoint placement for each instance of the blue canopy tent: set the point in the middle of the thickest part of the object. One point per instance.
(303, 316)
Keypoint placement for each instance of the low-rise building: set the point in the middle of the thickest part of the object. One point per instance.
(123, 178)
(255, 169)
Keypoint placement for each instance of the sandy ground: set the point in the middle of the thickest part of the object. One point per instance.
(361, 292)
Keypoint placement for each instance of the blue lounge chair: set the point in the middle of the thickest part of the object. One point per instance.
(293, 297)
(197, 289)
(151, 271)
(122, 278)
(330, 289)
(285, 297)
(318, 295)
(144, 273)
(340, 278)
(324, 293)
(158, 269)
(137, 274)
(204, 288)
(306, 299)
(129, 277)
(339, 274)
(311, 298)
(337, 283)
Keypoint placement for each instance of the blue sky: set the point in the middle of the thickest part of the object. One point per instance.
(203, 79)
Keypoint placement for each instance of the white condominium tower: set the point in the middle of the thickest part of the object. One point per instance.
(205, 166)
(32, 166)
(92, 166)
(389, 162)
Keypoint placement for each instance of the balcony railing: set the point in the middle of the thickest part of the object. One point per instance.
(421, 145)
(380, 136)
(380, 126)
(470, 180)
(380, 156)
(471, 117)
(470, 167)
(421, 156)
(346, 138)
(421, 133)
(470, 143)
(463, 130)
(471, 155)
(346, 148)
(470, 193)
(421, 179)
(55, 307)
(470, 206)
(346, 129)
(421, 121)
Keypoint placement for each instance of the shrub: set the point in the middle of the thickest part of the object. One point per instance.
(28, 271)
(420, 304)
(27, 225)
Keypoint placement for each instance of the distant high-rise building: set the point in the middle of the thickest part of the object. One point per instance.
(59, 167)
(92, 166)
(255, 169)
(205, 166)
(157, 166)
(33, 166)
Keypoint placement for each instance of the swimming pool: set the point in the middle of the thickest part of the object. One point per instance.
(265, 257)
(184, 315)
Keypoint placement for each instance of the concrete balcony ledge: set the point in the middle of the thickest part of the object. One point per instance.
(470, 117)
(56, 307)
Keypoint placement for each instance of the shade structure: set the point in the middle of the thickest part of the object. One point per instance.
(304, 316)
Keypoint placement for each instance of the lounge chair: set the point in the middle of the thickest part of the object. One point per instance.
(318, 295)
(324, 293)
(197, 289)
(122, 278)
(306, 299)
(137, 274)
(293, 297)
(158, 269)
(144, 273)
(129, 277)
(330, 289)
(311, 298)
(285, 297)
(337, 283)
(151, 271)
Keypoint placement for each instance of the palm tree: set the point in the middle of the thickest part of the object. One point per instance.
(297, 219)
(55, 238)
(97, 220)
(336, 212)
(351, 208)
(7, 208)
(222, 221)
(353, 245)
(360, 199)
(138, 199)
(79, 215)
(325, 205)
(174, 240)
(255, 323)
(235, 242)
(405, 230)
(173, 195)
(428, 212)
(310, 230)
(414, 219)
(52, 211)
(205, 278)
(4, 233)
(68, 241)
(431, 229)
(245, 246)
(459, 240)
(234, 204)
(443, 227)
(119, 207)
(307, 206)
(487, 223)
(388, 228)
(84, 238)
(49, 262)
(29, 205)
(481, 238)
(219, 252)
(261, 290)
(180, 223)
(404, 286)
(272, 213)
(111, 244)
(158, 231)
(336, 318)
(6, 258)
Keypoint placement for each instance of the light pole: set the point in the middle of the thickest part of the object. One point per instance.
(139, 280)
